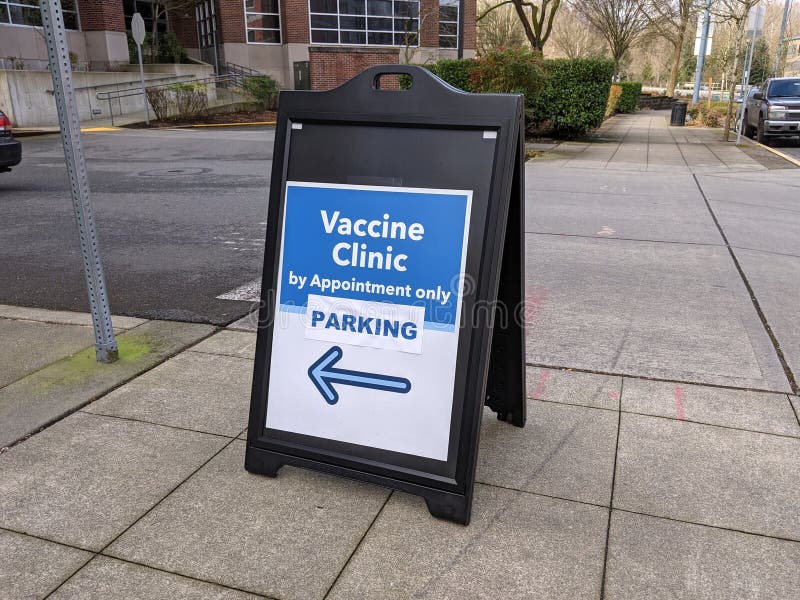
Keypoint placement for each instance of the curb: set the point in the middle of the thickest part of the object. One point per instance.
(783, 155)
(248, 124)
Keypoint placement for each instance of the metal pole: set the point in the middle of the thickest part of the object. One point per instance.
(144, 91)
(56, 40)
(745, 80)
(460, 42)
(780, 38)
(701, 56)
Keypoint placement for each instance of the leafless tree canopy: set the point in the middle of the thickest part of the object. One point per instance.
(620, 22)
(535, 16)
(575, 38)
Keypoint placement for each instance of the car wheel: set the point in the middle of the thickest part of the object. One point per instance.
(749, 130)
(761, 136)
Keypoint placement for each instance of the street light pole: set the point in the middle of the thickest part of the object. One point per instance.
(778, 55)
(701, 55)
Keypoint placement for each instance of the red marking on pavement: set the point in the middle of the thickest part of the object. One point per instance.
(679, 403)
(613, 394)
(535, 299)
(537, 391)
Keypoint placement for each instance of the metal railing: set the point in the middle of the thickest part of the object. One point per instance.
(237, 73)
(119, 94)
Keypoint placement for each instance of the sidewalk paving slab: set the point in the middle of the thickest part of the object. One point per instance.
(63, 386)
(249, 322)
(110, 579)
(541, 178)
(657, 217)
(207, 393)
(667, 311)
(754, 411)
(574, 387)
(708, 475)
(230, 343)
(659, 559)
(286, 537)
(87, 478)
(563, 451)
(775, 280)
(63, 317)
(32, 568)
(517, 546)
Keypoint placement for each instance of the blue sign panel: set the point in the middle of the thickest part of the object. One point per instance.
(377, 244)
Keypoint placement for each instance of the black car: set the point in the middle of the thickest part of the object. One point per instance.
(10, 149)
(773, 110)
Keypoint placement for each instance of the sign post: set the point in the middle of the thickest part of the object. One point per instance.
(755, 26)
(53, 24)
(137, 31)
(392, 287)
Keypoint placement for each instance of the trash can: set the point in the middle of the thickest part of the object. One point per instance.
(678, 117)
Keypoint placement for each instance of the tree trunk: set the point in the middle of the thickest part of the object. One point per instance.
(726, 135)
(677, 51)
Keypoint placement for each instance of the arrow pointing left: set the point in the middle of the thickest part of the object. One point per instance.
(323, 375)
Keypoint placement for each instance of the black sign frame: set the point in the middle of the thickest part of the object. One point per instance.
(491, 370)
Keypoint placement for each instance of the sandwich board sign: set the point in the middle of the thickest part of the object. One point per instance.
(392, 285)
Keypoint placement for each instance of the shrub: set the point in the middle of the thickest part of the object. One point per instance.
(629, 99)
(574, 97)
(455, 72)
(613, 100)
(190, 98)
(264, 89)
(170, 49)
(713, 116)
(159, 102)
(514, 70)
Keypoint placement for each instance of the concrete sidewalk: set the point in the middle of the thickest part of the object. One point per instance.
(659, 460)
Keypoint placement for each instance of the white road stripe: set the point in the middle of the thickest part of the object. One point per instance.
(249, 292)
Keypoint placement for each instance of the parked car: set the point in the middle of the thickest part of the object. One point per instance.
(10, 149)
(773, 110)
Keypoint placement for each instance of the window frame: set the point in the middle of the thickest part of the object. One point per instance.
(247, 28)
(366, 31)
(18, 3)
(457, 22)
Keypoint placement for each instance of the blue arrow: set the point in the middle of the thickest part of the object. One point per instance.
(323, 375)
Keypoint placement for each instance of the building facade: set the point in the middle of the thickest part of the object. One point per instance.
(269, 36)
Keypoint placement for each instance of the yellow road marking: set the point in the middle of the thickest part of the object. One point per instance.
(783, 155)
(93, 129)
(233, 124)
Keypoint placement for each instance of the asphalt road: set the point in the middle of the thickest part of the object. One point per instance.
(788, 146)
(180, 213)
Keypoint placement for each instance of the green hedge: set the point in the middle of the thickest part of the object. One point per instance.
(455, 72)
(575, 97)
(569, 95)
(628, 101)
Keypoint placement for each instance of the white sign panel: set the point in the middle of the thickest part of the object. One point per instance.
(369, 311)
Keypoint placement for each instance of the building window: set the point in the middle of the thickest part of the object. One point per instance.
(26, 13)
(448, 23)
(365, 22)
(144, 8)
(262, 21)
(206, 24)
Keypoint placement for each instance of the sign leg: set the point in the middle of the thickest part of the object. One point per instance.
(505, 390)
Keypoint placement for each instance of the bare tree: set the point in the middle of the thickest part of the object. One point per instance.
(575, 38)
(160, 9)
(535, 16)
(499, 28)
(670, 19)
(620, 22)
(734, 13)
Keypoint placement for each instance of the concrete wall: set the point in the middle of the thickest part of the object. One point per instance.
(27, 96)
(28, 43)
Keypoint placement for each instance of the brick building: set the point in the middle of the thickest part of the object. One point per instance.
(270, 36)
